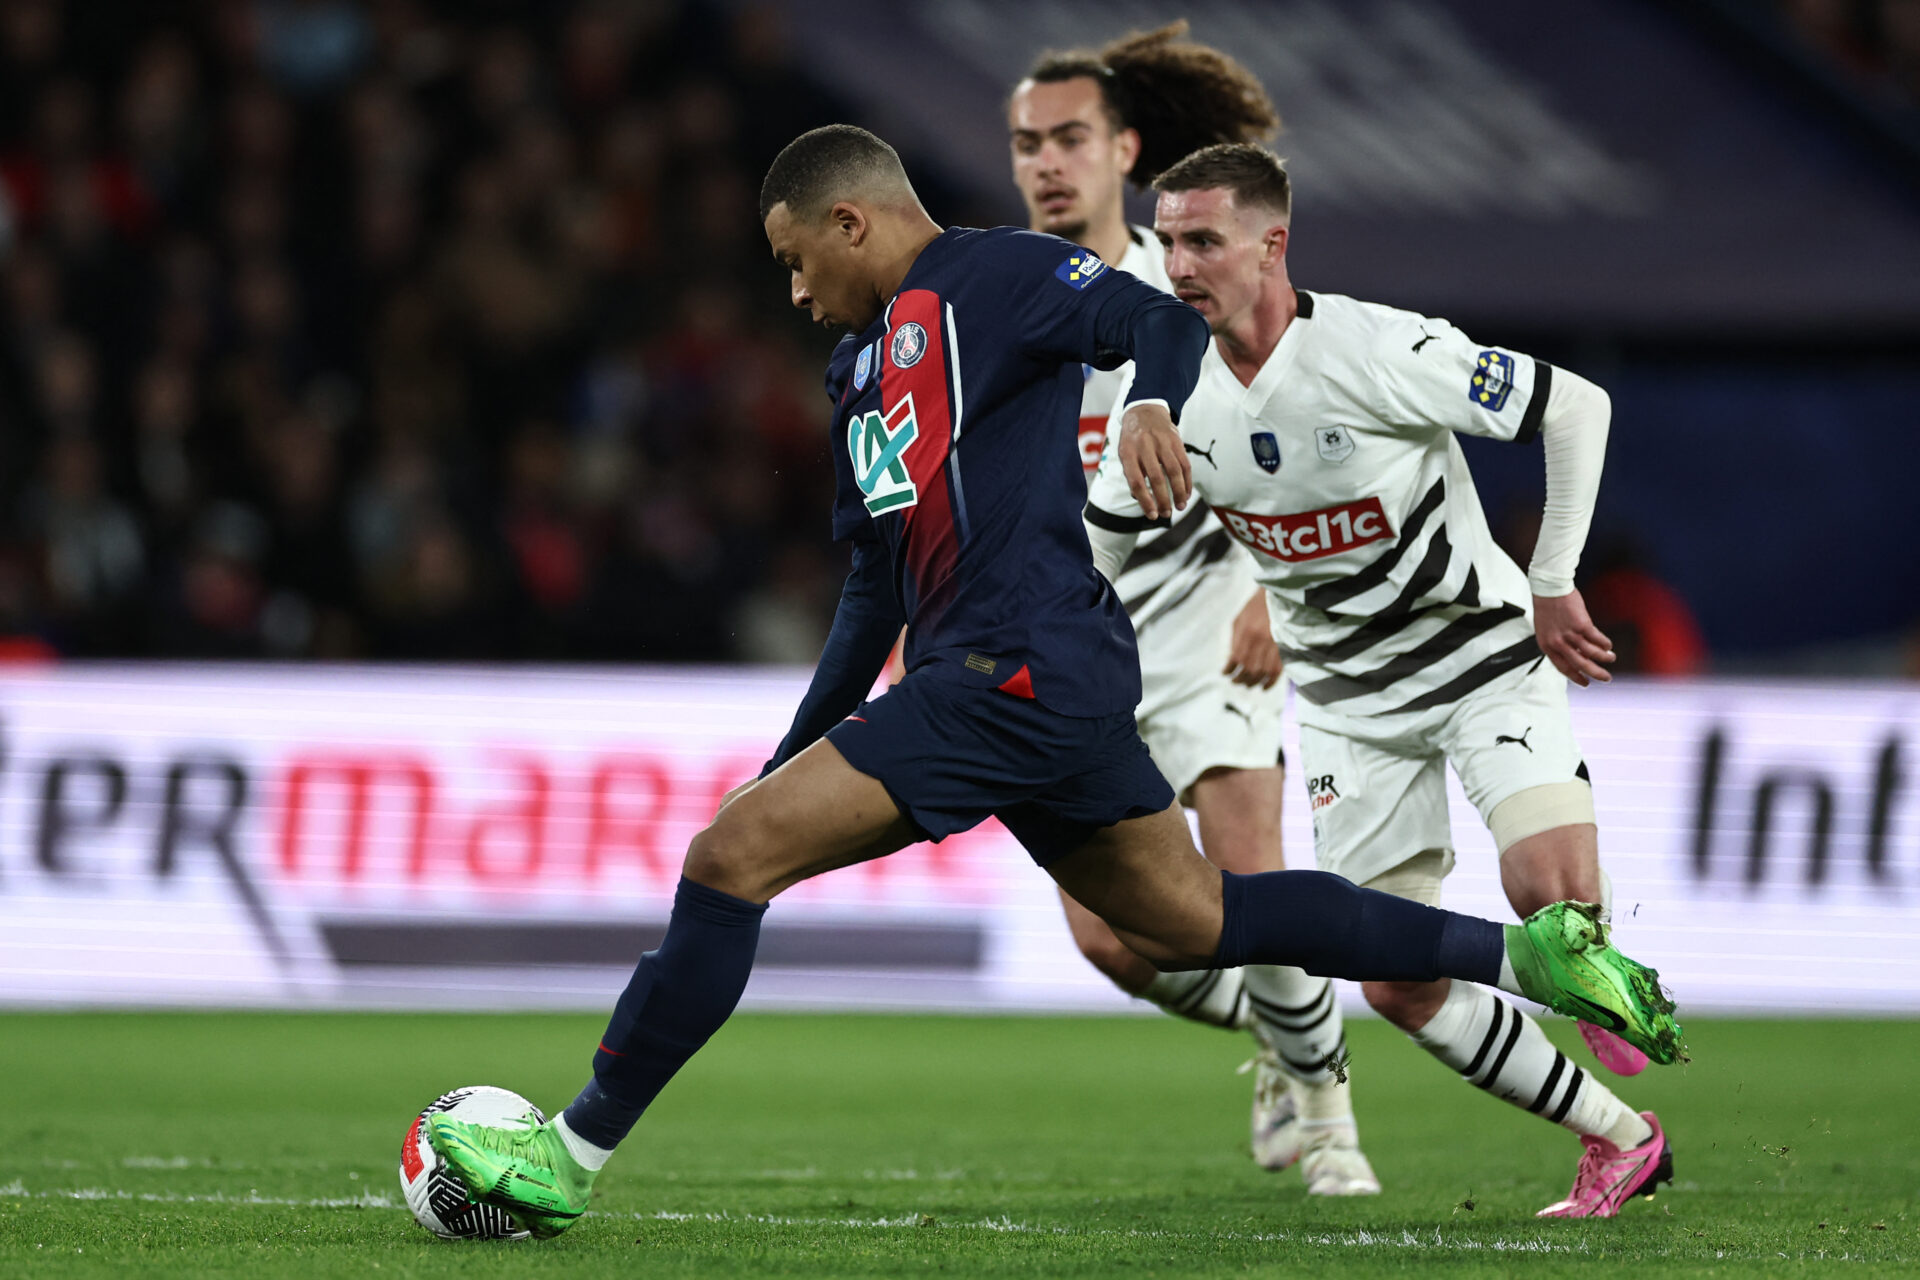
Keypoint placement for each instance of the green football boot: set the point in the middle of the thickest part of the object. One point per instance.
(1563, 960)
(526, 1170)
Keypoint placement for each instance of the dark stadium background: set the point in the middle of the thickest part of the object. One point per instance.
(410, 330)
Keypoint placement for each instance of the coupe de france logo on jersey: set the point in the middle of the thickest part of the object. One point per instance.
(878, 447)
(1081, 269)
(909, 344)
(1266, 451)
(1492, 380)
(863, 368)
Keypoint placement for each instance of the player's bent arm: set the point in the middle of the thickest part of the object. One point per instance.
(1113, 519)
(1573, 434)
(865, 626)
(1163, 336)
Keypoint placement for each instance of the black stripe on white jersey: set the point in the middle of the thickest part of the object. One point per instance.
(1415, 598)
(1442, 644)
(1328, 594)
(1203, 553)
(1480, 673)
(1536, 403)
(1182, 532)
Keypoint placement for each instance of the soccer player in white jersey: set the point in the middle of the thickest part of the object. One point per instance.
(1082, 126)
(1412, 640)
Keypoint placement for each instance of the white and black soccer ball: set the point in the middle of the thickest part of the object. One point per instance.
(438, 1199)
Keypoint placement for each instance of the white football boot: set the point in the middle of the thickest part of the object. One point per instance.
(1276, 1116)
(1331, 1161)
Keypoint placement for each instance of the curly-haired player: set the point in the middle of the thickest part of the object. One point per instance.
(1085, 124)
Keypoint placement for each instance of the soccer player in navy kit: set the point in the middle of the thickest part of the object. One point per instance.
(960, 488)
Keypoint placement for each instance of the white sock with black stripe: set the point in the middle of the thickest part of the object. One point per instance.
(1216, 997)
(1297, 1016)
(1503, 1051)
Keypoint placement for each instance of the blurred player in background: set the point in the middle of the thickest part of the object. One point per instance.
(1412, 639)
(1084, 125)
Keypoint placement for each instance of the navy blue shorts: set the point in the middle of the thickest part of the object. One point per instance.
(951, 757)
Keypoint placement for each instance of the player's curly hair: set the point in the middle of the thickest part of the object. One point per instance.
(1179, 95)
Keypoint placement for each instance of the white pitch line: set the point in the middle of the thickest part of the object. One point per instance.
(365, 1200)
(1433, 1241)
(1352, 1239)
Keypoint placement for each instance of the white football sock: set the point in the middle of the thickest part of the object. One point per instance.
(1297, 1016)
(1503, 1051)
(1216, 997)
(588, 1155)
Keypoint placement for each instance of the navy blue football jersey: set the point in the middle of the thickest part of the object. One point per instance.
(955, 444)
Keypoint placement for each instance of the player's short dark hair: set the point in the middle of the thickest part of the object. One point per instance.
(1177, 94)
(828, 164)
(1255, 175)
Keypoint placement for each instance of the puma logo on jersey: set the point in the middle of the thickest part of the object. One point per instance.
(1425, 338)
(1206, 453)
(1521, 741)
(1243, 715)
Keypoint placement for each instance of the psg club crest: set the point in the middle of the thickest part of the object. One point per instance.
(1492, 380)
(909, 344)
(1266, 451)
(863, 369)
(1334, 443)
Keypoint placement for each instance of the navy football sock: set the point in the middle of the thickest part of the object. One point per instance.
(1335, 929)
(678, 997)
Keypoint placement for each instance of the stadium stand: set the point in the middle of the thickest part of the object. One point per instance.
(402, 331)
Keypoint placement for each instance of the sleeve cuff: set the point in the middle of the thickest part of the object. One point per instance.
(1112, 523)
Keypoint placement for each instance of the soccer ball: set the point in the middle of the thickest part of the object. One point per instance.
(438, 1199)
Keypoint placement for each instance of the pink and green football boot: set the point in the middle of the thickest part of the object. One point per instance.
(1615, 1054)
(1562, 958)
(1609, 1177)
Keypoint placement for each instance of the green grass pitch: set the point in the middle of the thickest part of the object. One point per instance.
(264, 1145)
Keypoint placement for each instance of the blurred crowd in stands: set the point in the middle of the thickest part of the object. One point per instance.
(403, 330)
(418, 329)
(1876, 42)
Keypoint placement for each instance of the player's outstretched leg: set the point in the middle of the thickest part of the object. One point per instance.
(1145, 878)
(1211, 997)
(812, 815)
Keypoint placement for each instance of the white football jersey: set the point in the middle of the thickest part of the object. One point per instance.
(1194, 560)
(1339, 470)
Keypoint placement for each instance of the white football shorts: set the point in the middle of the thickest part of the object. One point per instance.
(1377, 786)
(1192, 716)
